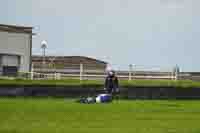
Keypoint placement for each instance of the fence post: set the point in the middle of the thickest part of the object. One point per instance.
(176, 75)
(32, 71)
(55, 76)
(130, 72)
(171, 74)
(58, 76)
(81, 72)
(133, 71)
(176, 72)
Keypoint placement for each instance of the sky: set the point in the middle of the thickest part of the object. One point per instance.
(147, 33)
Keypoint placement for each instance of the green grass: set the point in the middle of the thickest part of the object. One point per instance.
(67, 82)
(161, 83)
(65, 116)
(99, 83)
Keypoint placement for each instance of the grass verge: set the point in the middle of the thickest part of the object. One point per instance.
(61, 116)
(98, 83)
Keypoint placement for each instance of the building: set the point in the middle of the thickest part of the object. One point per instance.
(15, 49)
(65, 64)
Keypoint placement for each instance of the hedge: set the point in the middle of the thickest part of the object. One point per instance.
(99, 83)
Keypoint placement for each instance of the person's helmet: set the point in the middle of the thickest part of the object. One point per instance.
(111, 73)
(108, 68)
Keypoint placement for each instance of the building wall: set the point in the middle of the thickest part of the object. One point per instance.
(17, 44)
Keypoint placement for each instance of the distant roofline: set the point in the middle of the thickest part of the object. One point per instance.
(39, 56)
(16, 29)
(17, 26)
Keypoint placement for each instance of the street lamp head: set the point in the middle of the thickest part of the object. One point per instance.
(44, 44)
(132, 65)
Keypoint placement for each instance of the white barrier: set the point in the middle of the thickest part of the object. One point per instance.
(80, 72)
(81, 76)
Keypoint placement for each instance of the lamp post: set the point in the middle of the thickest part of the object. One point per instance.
(43, 47)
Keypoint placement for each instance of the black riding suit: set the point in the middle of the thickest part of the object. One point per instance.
(111, 84)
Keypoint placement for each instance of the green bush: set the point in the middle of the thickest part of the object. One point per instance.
(99, 83)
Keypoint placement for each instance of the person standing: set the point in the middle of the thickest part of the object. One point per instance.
(111, 83)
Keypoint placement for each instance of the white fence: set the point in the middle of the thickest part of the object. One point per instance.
(59, 76)
(88, 74)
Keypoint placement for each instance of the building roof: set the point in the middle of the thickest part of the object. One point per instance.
(16, 29)
(63, 58)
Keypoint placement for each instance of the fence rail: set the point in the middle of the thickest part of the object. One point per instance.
(87, 73)
(84, 72)
(89, 76)
(101, 76)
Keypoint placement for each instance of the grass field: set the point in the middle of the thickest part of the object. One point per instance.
(66, 116)
(100, 83)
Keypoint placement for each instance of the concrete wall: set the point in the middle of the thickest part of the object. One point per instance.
(17, 44)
